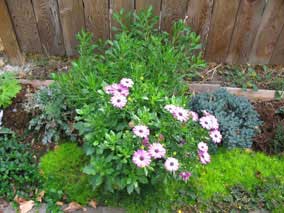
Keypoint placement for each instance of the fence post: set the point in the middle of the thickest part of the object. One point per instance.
(8, 36)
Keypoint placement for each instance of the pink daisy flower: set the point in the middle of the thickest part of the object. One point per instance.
(141, 131)
(109, 89)
(118, 101)
(181, 114)
(141, 158)
(185, 175)
(202, 147)
(193, 115)
(216, 136)
(204, 157)
(172, 164)
(209, 122)
(157, 150)
(170, 108)
(127, 82)
(120, 90)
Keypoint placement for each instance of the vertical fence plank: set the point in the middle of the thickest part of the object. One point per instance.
(116, 6)
(8, 36)
(145, 4)
(248, 20)
(222, 25)
(171, 12)
(199, 15)
(268, 32)
(22, 15)
(49, 28)
(97, 18)
(72, 21)
(278, 53)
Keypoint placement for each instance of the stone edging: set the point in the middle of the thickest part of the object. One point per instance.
(261, 94)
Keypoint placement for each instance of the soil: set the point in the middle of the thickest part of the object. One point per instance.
(271, 120)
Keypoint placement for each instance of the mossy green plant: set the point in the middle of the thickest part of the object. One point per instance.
(62, 173)
(236, 167)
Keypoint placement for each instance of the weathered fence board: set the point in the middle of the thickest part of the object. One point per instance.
(171, 12)
(278, 54)
(8, 36)
(198, 17)
(222, 26)
(97, 18)
(49, 27)
(145, 4)
(24, 21)
(268, 32)
(72, 21)
(237, 31)
(248, 19)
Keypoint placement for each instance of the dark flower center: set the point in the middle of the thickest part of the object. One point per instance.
(140, 130)
(141, 158)
(180, 114)
(156, 150)
(118, 100)
(171, 164)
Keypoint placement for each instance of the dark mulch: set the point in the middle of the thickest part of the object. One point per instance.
(268, 114)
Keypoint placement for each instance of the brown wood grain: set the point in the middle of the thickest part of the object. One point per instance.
(278, 53)
(47, 15)
(8, 36)
(248, 20)
(145, 4)
(24, 21)
(222, 25)
(171, 12)
(72, 21)
(268, 32)
(199, 13)
(116, 6)
(97, 18)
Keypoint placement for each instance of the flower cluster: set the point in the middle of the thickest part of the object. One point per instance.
(181, 114)
(119, 92)
(143, 158)
(203, 154)
(210, 123)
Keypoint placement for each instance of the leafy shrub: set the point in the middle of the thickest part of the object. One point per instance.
(237, 118)
(139, 52)
(157, 64)
(236, 167)
(18, 169)
(9, 87)
(62, 174)
(53, 119)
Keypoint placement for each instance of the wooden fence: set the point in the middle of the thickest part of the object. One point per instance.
(232, 31)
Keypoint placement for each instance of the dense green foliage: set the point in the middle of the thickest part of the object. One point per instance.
(157, 64)
(18, 169)
(53, 119)
(62, 174)
(9, 87)
(139, 52)
(237, 118)
(236, 167)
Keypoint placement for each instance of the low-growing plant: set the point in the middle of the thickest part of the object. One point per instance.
(9, 87)
(277, 142)
(18, 169)
(237, 118)
(53, 120)
(62, 174)
(236, 167)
